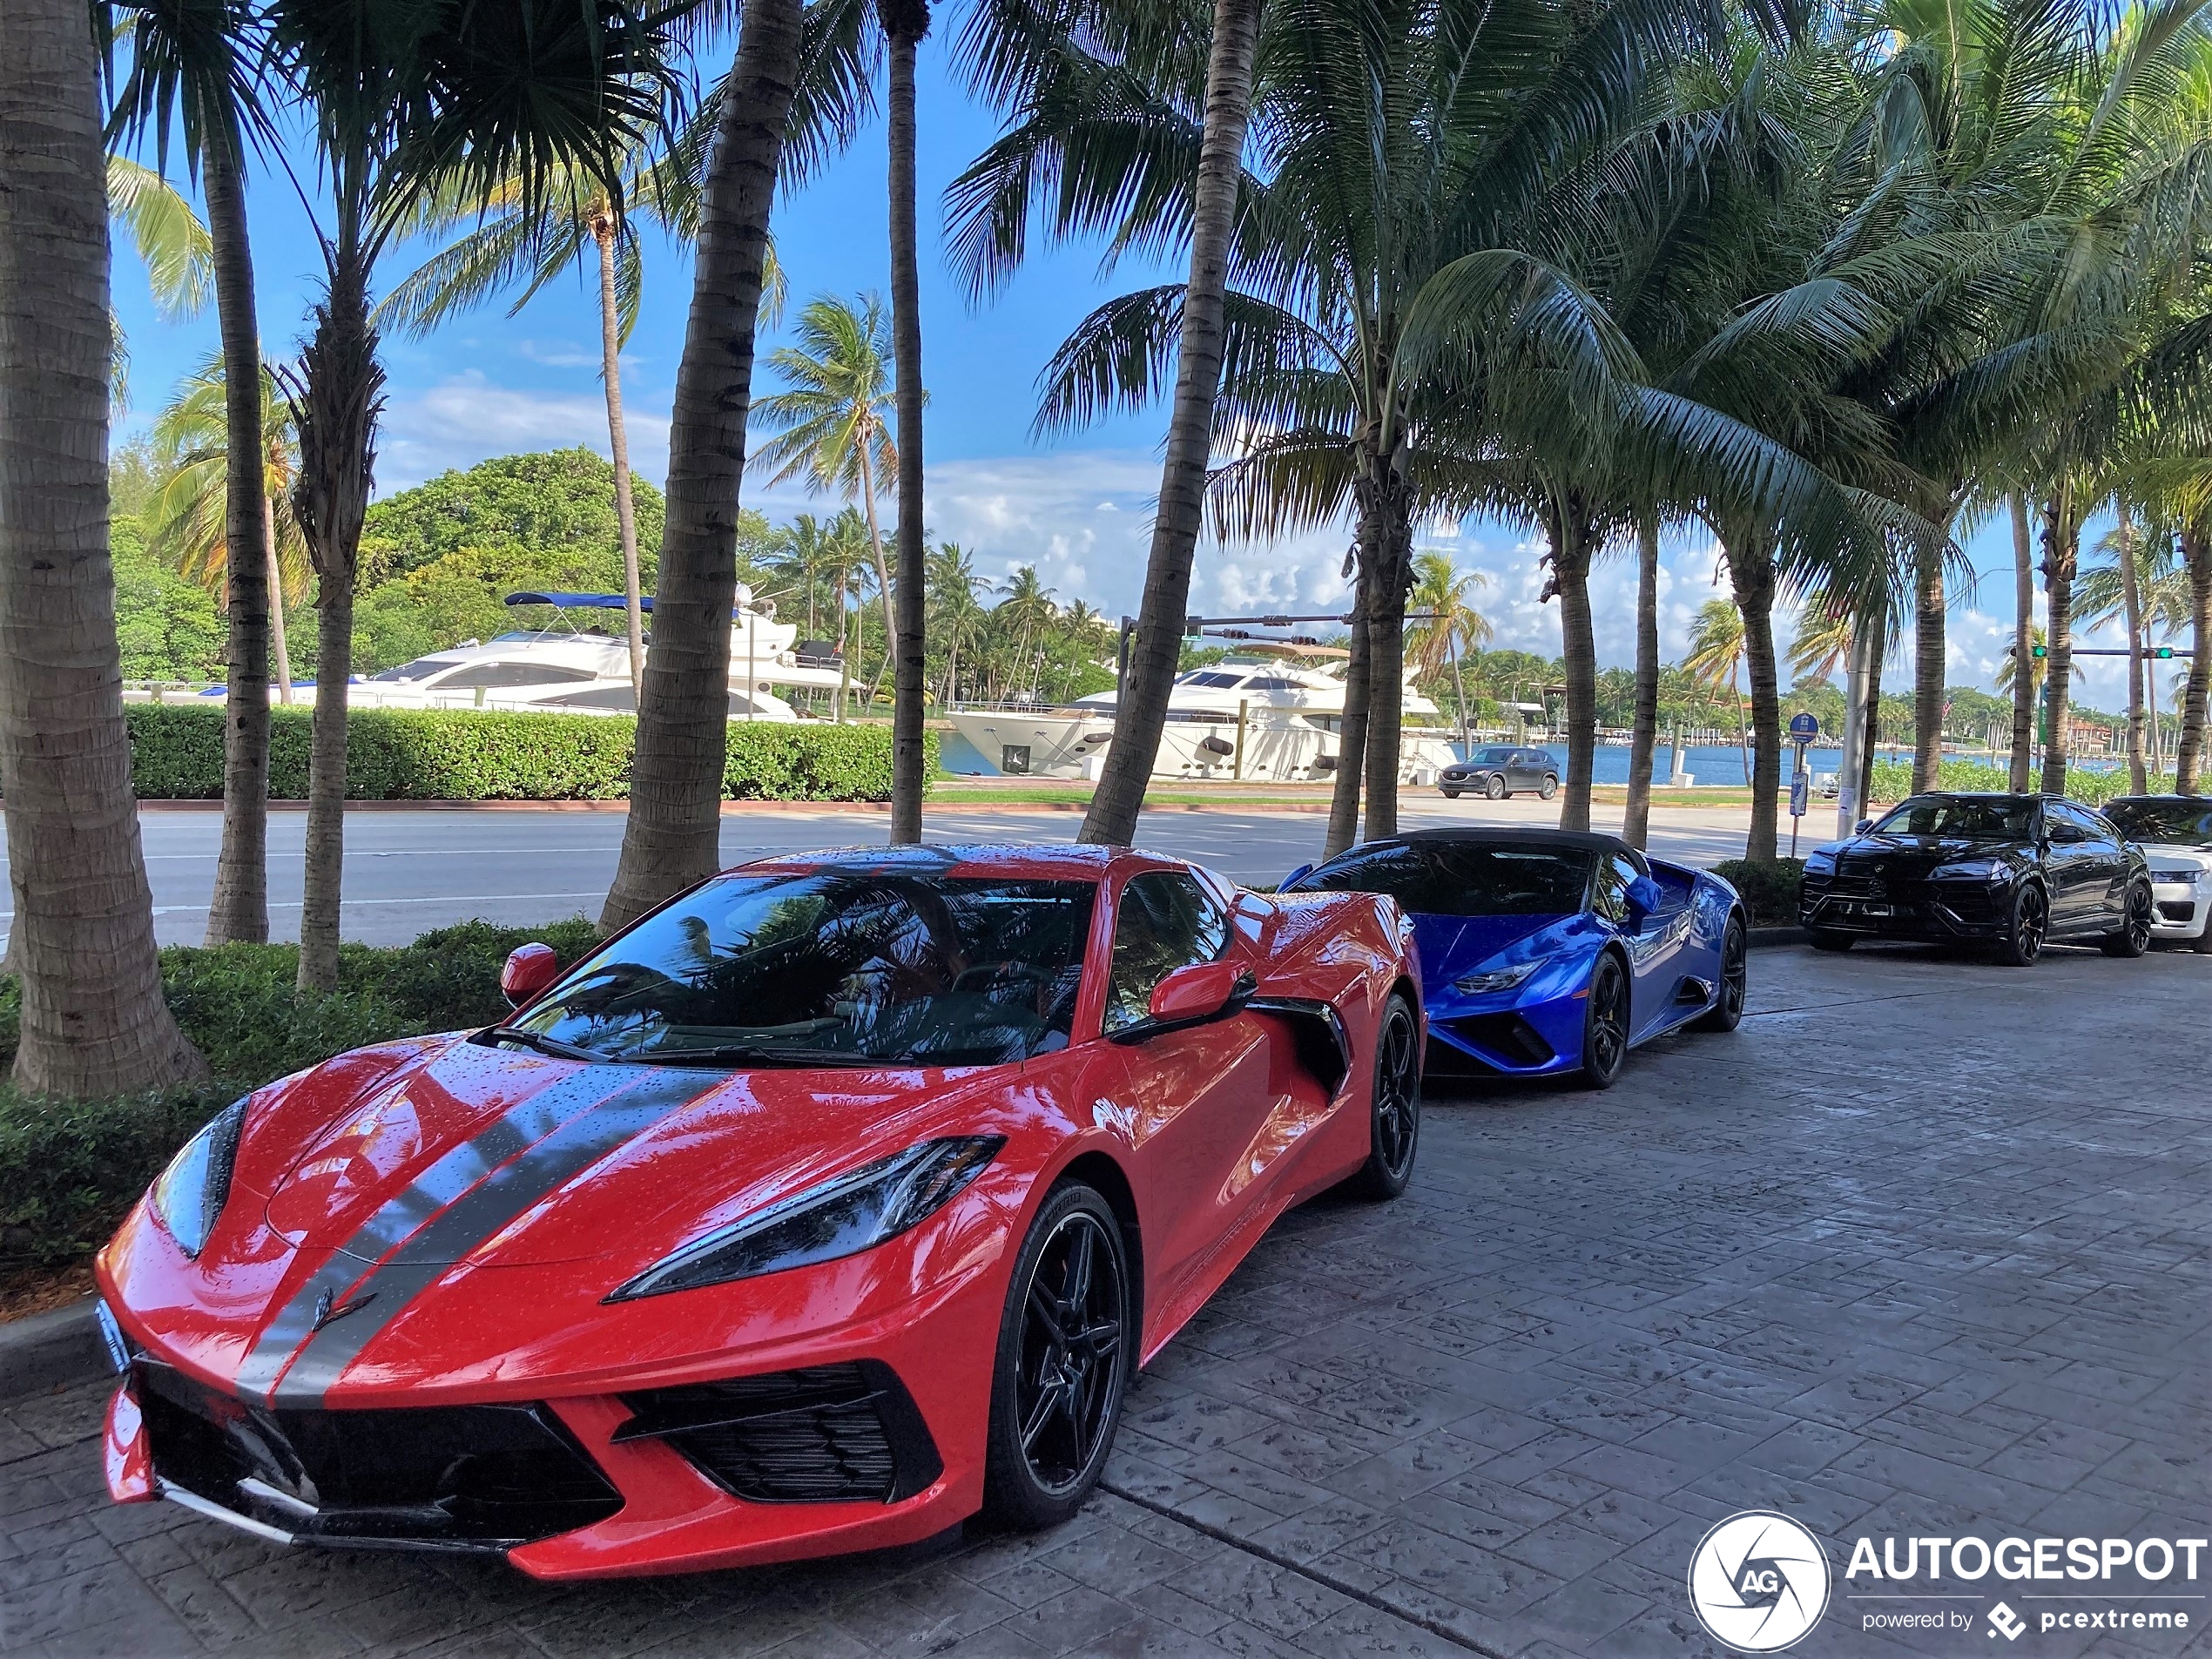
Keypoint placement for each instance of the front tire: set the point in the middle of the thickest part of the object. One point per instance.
(1605, 1024)
(2026, 926)
(1394, 1122)
(1495, 789)
(2133, 937)
(1549, 788)
(1727, 1012)
(1066, 1342)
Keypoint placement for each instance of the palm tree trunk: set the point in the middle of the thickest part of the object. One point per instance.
(1391, 578)
(602, 233)
(2131, 603)
(1572, 535)
(1878, 626)
(905, 22)
(1351, 730)
(1752, 577)
(276, 603)
(673, 834)
(93, 1020)
(239, 907)
(875, 539)
(1929, 667)
(336, 411)
(1643, 736)
(2023, 644)
(1142, 703)
(2188, 754)
(2061, 551)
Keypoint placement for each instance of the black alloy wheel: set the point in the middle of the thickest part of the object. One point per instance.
(1067, 1343)
(2026, 926)
(1496, 788)
(1727, 1012)
(1395, 1132)
(1549, 788)
(1605, 1023)
(2133, 937)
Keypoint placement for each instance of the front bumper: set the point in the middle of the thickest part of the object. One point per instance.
(863, 1436)
(1926, 910)
(2179, 910)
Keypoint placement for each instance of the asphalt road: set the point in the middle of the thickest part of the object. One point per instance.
(407, 871)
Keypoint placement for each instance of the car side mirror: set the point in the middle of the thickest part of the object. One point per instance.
(1862, 826)
(1645, 896)
(529, 970)
(1197, 993)
(1298, 875)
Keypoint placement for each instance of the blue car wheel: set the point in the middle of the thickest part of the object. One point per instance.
(1605, 1023)
(1728, 1001)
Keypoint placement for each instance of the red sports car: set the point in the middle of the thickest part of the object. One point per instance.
(831, 1204)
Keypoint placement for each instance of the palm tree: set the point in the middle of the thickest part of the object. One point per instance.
(195, 69)
(189, 517)
(411, 101)
(1450, 626)
(94, 1020)
(1643, 735)
(1716, 658)
(517, 241)
(830, 423)
(2023, 622)
(905, 22)
(957, 620)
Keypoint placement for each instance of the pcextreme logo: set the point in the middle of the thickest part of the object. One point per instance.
(1758, 1581)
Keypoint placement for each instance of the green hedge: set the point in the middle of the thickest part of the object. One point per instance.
(1770, 890)
(1893, 780)
(68, 1170)
(470, 754)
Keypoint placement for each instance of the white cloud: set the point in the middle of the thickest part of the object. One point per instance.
(461, 421)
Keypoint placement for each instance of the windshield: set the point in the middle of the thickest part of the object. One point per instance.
(1461, 878)
(1962, 818)
(1491, 757)
(2177, 823)
(840, 966)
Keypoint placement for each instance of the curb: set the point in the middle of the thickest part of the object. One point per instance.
(50, 1350)
(1790, 934)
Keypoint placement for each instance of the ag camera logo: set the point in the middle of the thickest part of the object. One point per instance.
(1758, 1581)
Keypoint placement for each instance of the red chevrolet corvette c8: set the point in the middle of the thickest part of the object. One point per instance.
(835, 1201)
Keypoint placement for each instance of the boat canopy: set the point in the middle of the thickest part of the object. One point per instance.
(593, 601)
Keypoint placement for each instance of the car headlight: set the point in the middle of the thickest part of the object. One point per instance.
(191, 1192)
(1496, 978)
(2183, 877)
(841, 1217)
(1975, 870)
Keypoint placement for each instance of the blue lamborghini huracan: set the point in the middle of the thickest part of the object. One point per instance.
(1547, 951)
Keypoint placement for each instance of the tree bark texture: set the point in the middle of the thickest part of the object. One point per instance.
(1389, 579)
(2188, 754)
(2061, 554)
(276, 568)
(673, 834)
(1928, 666)
(1352, 731)
(1643, 734)
(239, 907)
(2131, 604)
(905, 23)
(1877, 627)
(1140, 704)
(604, 232)
(94, 1020)
(340, 396)
(1751, 564)
(1572, 540)
(2023, 768)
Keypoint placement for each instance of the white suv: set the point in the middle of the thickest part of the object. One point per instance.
(2176, 834)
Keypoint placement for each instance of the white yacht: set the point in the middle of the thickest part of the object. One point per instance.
(575, 670)
(1272, 711)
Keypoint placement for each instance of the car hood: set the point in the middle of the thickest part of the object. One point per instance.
(1451, 946)
(2165, 856)
(1917, 854)
(476, 1152)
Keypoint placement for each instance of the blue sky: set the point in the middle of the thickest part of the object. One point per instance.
(1077, 506)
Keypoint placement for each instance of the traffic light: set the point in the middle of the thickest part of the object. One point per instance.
(2164, 653)
(2039, 651)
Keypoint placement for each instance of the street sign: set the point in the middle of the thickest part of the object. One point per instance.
(1800, 787)
(1804, 727)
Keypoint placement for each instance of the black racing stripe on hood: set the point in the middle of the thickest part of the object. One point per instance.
(565, 1150)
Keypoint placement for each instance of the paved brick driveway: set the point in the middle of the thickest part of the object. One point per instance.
(1952, 1282)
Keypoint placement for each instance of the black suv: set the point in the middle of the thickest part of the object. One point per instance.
(1497, 773)
(2011, 870)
